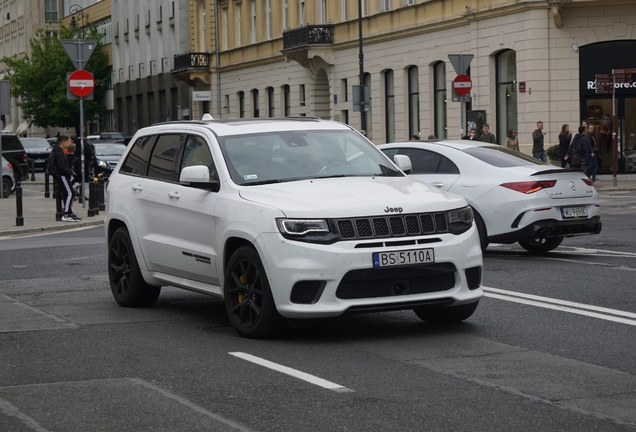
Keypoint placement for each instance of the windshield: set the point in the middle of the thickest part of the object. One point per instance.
(34, 143)
(109, 149)
(297, 155)
(502, 157)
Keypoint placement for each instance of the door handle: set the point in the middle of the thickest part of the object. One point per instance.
(438, 185)
(137, 187)
(174, 195)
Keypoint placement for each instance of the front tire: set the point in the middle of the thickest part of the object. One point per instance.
(7, 187)
(446, 315)
(248, 297)
(540, 246)
(126, 281)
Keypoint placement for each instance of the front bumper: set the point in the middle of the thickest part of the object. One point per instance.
(315, 280)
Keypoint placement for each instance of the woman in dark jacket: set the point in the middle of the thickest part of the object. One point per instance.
(565, 139)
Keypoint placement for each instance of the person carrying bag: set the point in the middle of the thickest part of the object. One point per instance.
(578, 148)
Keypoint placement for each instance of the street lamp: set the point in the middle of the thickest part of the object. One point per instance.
(75, 9)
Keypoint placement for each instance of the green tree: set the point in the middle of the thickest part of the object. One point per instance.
(39, 82)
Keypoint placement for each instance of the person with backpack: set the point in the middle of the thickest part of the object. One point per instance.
(578, 148)
(60, 167)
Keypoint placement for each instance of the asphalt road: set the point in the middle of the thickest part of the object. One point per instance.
(551, 347)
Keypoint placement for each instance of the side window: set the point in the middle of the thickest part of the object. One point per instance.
(162, 164)
(424, 161)
(11, 143)
(197, 152)
(446, 166)
(391, 152)
(136, 162)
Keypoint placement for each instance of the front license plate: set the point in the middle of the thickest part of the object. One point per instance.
(417, 256)
(38, 160)
(573, 212)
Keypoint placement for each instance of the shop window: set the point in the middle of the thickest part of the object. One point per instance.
(441, 125)
(506, 76)
(414, 101)
(389, 100)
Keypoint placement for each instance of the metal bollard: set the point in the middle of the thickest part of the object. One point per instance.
(91, 199)
(47, 194)
(95, 196)
(32, 167)
(58, 202)
(100, 193)
(19, 220)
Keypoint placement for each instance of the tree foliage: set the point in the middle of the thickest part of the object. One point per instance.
(39, 82)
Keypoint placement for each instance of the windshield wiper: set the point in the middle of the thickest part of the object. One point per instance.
(262, 182)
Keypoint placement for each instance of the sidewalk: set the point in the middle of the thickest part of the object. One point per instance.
(39, 212)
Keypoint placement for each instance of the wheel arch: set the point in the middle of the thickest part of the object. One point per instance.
(231, 245)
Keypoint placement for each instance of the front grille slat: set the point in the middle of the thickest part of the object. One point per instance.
(392, 226)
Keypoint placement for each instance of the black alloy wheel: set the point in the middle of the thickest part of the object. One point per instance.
(541, 245)
(126, 281)
(248, 298)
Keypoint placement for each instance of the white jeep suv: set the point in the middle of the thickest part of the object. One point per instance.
(285, 219)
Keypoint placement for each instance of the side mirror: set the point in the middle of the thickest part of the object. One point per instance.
(403, 162)
(198, 176)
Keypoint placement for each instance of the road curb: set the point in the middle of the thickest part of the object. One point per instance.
(50, 228)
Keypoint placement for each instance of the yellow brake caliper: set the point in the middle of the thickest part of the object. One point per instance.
(241, 296)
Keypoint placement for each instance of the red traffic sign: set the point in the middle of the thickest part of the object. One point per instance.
(81, 83)
(462, 84)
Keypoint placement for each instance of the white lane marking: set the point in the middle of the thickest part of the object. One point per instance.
(614, 266)
(11, 411)
(562, 305)
(292, 372)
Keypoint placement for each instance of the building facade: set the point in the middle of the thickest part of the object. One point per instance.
(533, 61)
(19, 22)
(147, 35)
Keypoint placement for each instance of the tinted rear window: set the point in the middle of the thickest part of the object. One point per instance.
(502, 157)
(11, 143)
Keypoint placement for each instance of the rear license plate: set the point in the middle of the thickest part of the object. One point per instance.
(573, 212)
(417, 256)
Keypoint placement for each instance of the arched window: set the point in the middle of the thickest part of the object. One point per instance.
(286, 100)
(506, 93)
(414, 101)
(241, 103)
(270, 101)
(439, 76)
(389, 103)
(255, 103)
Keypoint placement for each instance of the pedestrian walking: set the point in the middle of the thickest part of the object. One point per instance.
(565, 139)
(591, 156)
(63, 175)
(538, 151)
(512, 142)
(487, 136)
(578, 149)
(76, 166)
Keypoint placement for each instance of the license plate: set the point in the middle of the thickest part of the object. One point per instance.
(573, 212)
(401, 258)
(38, 160)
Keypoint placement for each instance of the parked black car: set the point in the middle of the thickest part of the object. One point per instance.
(13, 152)
(106, 156)
(37, 150)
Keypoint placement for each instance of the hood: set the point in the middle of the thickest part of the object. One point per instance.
(113, 158)
(352, 196)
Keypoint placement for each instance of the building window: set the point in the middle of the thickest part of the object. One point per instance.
(441, 129)
(301, 94)
(344, 89)
(410, 2)
(50, 11)
(323, 12)
(241, 104)
(284, 15)
(286, 100)
(506, 93)
(226, 27)
(104, 26)
(365, 8)
(414, 101)
(385, 5)
(227, 104)
(238, 25)
(256, 112)
(252, 21)
(389, 103)
(270, 102)
(301, 12)
(345, 10)
(202, 29)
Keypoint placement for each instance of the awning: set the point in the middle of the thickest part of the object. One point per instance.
(9, 128)
(22, 128)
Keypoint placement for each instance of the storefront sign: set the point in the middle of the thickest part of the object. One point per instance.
(198, 96)
(605, 58)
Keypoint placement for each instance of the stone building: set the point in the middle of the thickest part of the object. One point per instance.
(533, 61)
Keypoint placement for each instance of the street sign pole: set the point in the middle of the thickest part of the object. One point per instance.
(460, 63)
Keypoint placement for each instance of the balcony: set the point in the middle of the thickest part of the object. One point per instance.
(191, 67)
(304, 43)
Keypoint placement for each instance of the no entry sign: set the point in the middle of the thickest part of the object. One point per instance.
(462, 84)
(81, 83)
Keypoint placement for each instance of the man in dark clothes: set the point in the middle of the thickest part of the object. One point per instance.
(63, 174)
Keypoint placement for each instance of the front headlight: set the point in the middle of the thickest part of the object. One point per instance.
(307, 230)
(460, 220)
(102, 164)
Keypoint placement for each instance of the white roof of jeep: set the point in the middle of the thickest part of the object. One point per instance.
(248, 126)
